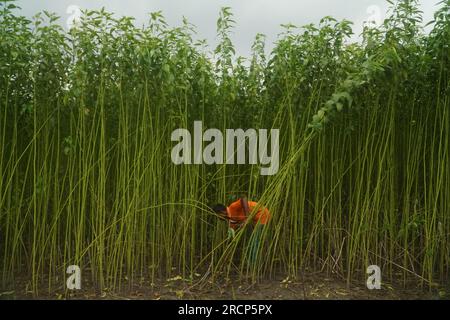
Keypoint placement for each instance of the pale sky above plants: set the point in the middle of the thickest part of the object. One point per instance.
(251, 16)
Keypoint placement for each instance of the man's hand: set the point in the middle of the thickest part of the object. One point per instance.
(231, 233)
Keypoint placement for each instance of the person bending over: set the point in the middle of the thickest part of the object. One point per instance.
(237, 214)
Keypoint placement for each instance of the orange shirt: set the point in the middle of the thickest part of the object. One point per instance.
(236, 214)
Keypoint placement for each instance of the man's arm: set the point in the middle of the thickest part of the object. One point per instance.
(244, 205)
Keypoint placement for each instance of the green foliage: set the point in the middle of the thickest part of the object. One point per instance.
(86, 175)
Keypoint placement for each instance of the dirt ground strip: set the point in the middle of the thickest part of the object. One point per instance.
(314, 287)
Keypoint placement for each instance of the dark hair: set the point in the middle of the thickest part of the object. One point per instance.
(219, 208)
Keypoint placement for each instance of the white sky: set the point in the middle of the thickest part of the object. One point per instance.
(251, 16)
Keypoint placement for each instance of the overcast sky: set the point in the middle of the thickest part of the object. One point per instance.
(251, 16)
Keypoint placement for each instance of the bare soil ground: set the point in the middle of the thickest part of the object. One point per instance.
(314, 286)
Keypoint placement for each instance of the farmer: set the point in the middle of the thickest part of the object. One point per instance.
(237, 213)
